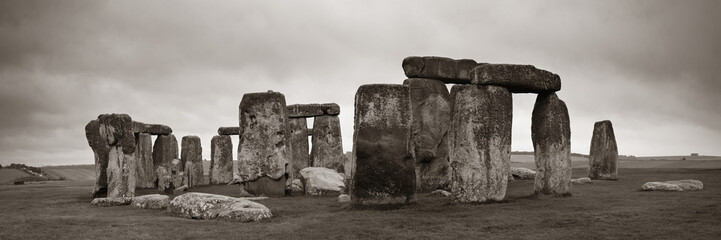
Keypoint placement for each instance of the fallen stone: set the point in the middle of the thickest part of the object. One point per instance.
(116, 129)
(344, 198)
(678, 185)
(191, 154)
(152, 201)
(480, 142)
(304, 110)
(221, 160)
(582, 180)
(603, 156)
(101, 151)
(299, 146)
(228, 131)
(321, 181)
(516, 78)
(441, 192)
(111, 202)
(523, 173)
(144, 168)
(212, 206)
(181, 189)
(296, 185)
(431, 108)
(327, 150)
(444, 69)
(165, 149)
(551, 136)
(330, 109)
(384, 168)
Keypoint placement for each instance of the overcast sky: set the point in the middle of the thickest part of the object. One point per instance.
(651, 67)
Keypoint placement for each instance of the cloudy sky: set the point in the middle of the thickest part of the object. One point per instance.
(651, 67)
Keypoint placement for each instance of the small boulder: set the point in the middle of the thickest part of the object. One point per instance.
(319, 180)
(344, 198)
(296, 185)
(678, 185)
(523, 173)
(110, 202)
(152, 201)
(441, 192)
(211, 206)
(582, 180)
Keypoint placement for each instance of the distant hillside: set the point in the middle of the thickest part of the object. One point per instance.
(8, 175)
(70, 172)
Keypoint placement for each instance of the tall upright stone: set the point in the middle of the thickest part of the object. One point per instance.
(144, 168)
(603, 157)
(117, 130)
(264, 151)
(221, 160)
(165, 149)
(480, 142)
(299, 146)
(384, 169)
(551, 135)
(101, 151)
(431, 108)
(327, 143)
(192, 153)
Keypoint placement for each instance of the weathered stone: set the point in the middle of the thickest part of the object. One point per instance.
(264, 149)
(327, 143)
(165, 180)
(211, 206)
(678, 185)
(480, 142)
(152, 129)
(551, 135)
(266, 186)
(330, 109)
(221, 160)
(116, 129)
(296, 185)
(304, 110)
(322, 181)
(299, 146)
(516, 78)
(144, 168)
(603, 156)
(111, 202)
(441, 192)
(384, 169)
(582, 180)
(523, 173)
(165, 149)
(101, 151)
(228, 130)
(152, 201)
(344, 198)
(444, 69)
(192, 152)
(310, 133)
(431, 108)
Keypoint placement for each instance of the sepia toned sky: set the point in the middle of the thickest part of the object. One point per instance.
(651, 67)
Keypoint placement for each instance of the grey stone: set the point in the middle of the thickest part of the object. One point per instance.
(327, 143)
(100, 150)
(299, 146)
(152, 201)
(144, 168)
(111, 202)
(322, 181)
(192, 153)
(344, 198)
(431, 108)
(441, 192)
(523, 173)
(582, 180)
(165, 149)
(441, 68)
(304, 110)
(211, 206)
(603, 156)
(677, 185)
(221, 160)
(297, 185)
(152, 129)
(384, 168)
(116, 129)
(330, 109)
(516, 78)
(480, 142)
(228, 130)
(551, 135)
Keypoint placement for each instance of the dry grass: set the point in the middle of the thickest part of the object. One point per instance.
(602, 210)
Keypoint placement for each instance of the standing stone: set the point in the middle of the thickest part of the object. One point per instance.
(551, 135)
(144, 168)
(117, 130)
(603, 157)
(101, 151)
(264, 151)
(299, 146)
(384, 169)
(192, 153)
(327, 143)
(165, 150)
(516, 78)
(221, 160)
(444, 69)
(480, 142)
(431, 108)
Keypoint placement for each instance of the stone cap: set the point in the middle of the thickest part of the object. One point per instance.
(229, 131)
(516, 78)
(440, 68)
(152, 129)
(312, 110)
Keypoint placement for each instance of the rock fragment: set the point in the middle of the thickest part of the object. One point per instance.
(211, 206)
(677, 185)
(228, 130)
(322, 181)
(603, 156)
(152, 201)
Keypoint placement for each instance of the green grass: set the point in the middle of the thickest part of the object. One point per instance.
(602, 210)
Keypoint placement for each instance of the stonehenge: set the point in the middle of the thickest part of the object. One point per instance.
(221, 160)
(603, 156)
(145, 169)
(191, 159)
(551, 135)
(327, 150)
(116, 130)
(299, 146)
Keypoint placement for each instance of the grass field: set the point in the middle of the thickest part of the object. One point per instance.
(71, 172)
(10, 174)
(602, 210)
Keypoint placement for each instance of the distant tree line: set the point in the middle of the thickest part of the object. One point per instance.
(25, 168)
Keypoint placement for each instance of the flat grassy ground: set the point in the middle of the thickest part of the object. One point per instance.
(602, 210)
